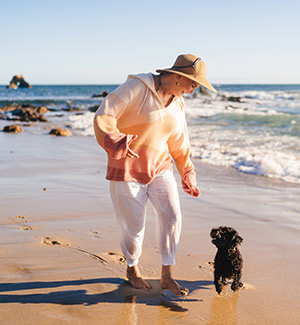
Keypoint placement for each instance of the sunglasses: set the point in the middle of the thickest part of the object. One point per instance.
(188, 66)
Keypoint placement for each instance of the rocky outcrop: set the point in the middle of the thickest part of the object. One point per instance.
(28, 114)
(23, 113)
(18, 81)
(61, 132)
(42, 109)
(13, 128)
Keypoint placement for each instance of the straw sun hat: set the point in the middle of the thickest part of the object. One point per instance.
(191, 67)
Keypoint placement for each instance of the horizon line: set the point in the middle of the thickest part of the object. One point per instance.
(116, 84)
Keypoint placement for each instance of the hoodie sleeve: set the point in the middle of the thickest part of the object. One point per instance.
(115, 143)
(179, 148)
(108, 136)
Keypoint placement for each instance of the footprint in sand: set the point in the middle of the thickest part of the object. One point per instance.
(49, 241)
(206, 268)
(95, 233)
(115, 257)
(18, 219)
(53, 242)
(25, 228)
(212, 264)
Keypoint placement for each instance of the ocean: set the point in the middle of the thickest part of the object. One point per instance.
(252, 128)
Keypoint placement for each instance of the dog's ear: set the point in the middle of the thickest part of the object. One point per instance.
(237, 240)
(240, 239)
(214, 232)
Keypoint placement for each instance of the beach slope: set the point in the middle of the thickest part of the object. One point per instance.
(60, 256)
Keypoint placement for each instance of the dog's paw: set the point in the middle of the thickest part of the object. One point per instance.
(219, 290)
(242, 286)
(237, 286)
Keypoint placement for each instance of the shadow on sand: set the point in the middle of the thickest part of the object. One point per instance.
(124, 293)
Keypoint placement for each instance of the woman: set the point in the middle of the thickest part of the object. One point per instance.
(142, 127)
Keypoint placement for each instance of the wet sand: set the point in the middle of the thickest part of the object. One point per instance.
(60, 256)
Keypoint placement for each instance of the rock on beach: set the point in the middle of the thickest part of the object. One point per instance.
(61, 132)
(24, 112)
(13, 128)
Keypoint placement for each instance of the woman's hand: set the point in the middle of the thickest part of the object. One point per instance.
(189, 182)
(130, 153)
(191, 190)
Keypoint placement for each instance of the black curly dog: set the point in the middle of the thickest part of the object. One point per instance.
(228, 260)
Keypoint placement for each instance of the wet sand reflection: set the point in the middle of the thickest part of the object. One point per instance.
(223, 309)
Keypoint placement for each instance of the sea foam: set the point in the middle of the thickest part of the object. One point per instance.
(82, 123)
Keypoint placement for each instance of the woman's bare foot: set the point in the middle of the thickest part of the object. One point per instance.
(135, 278)
(167, 282)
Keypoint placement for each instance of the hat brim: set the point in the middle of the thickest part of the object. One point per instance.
(203, 82)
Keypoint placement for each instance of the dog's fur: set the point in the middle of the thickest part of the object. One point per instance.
(228, 259)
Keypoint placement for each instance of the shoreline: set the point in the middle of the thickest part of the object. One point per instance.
(43, 129)
(61, 260)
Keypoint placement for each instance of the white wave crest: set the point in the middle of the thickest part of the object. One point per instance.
(82, 123)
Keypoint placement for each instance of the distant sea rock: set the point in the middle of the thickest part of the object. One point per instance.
(203, 91)
(103, 94)
(13, 128)
(73, 109)
(93, 108)
(61, 132)
(18, 81)
(236, 99)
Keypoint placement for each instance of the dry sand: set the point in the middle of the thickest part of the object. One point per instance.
(60, 256)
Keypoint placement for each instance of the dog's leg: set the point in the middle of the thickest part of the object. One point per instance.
(218, 282)
(224, 281)
(237, 284)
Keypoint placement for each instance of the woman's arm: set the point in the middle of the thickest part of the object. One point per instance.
(179, 149)
(115, 143)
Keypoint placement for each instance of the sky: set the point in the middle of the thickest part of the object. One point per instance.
(101, 42)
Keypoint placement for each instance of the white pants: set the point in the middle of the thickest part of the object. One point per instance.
(130, 199)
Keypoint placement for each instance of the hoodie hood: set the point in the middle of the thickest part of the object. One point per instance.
(146, 78)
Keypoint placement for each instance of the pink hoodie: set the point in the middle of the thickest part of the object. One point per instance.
(134, 109)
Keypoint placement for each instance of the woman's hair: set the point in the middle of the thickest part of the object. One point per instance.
(165, 73)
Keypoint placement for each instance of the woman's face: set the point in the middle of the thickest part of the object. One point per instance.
(185, 85)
